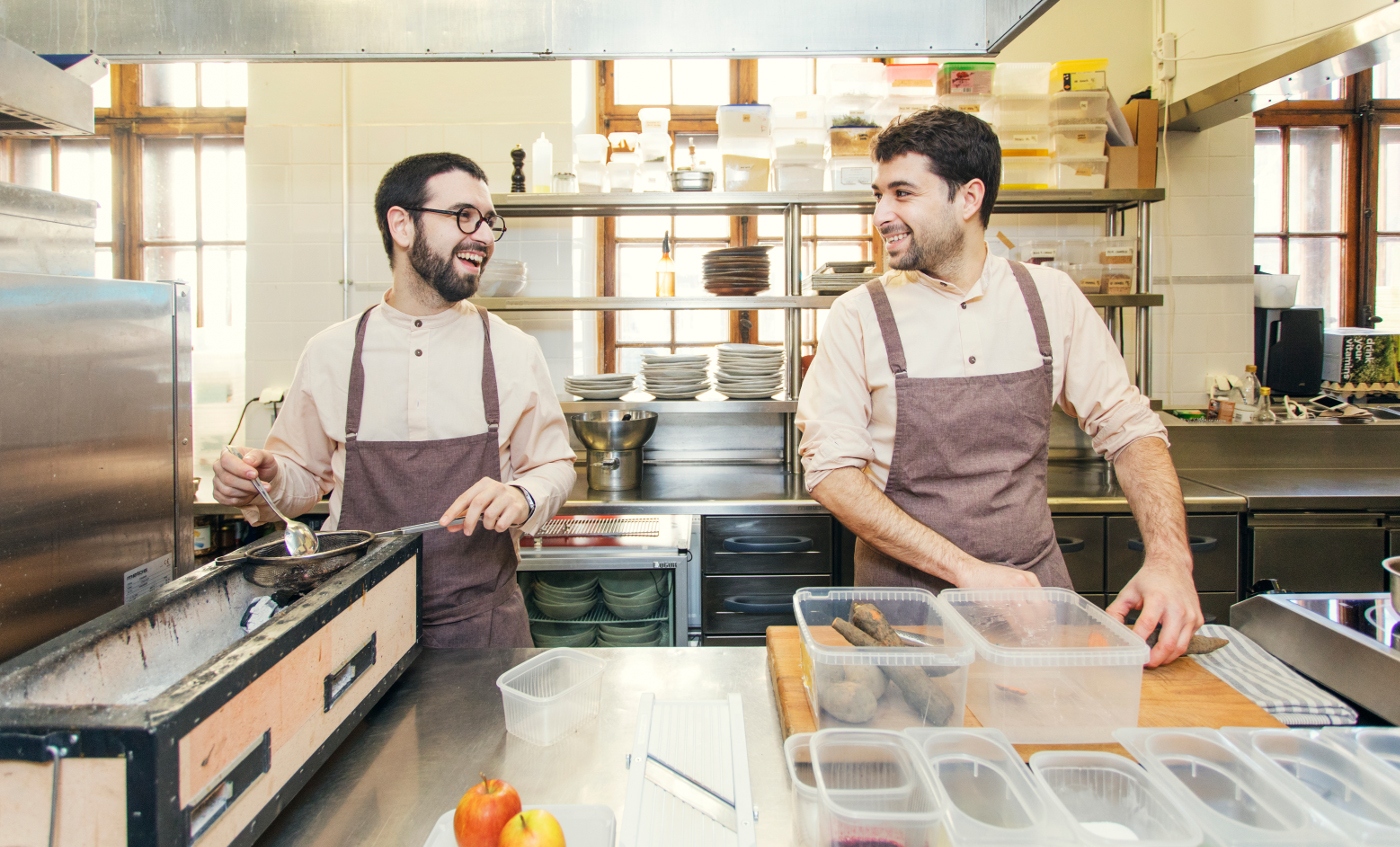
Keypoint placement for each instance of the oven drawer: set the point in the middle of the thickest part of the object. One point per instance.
(767, 545)
(754, 593)
(1215, 549)
(1081, 543)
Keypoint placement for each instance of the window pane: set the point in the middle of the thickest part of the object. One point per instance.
(1388, 194)
(702, 327)
(843, 225)
(223, 84)
(830, 251)
(770, 327)
(85, 170)
(643, 227)
(689, 279)
(172, 263)
(700, 82)
(644, 326)
(771, 226)
(1318, 261)
(702, 226)
(629, 359)
(103, 265)
(33, 162)
(225, 269)
(1268, 180)
(102, 93)
(224, 186)
(636, 269)
(168, 189)
(824, 71)
(641, 82)
(168, 85)
(1388, 279)
(1268, 255)
(1315, 179)
(785, 78)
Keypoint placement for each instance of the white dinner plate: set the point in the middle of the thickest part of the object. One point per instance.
(614, 394)
(748, 349)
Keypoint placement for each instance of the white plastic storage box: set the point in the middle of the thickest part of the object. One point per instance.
(1225, 791)
(1020, 172)
(860, 79)
(654, 118)
(1115, 250)
(799, 110)
(1107, 800)
(981, 105)
(1021, 77)
(829, 661)
(549, 695)
(1079, 139)
(851, 173)
(1051, 668)
(1023, 110)
(806, 807)
(992, 800)
(1087, 275)
(1081, 171)
(591, 148)
(799, 167)
(912, 80)
(1024, 140)
(1039, 251)
(815, 136)
(850, 109)
(744, 120)
(872, 790)
(902, 107)
(1077, 107)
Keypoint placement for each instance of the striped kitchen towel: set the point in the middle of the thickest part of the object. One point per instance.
(1275, 687)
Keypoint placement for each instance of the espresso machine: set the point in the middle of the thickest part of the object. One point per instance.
(614, 440)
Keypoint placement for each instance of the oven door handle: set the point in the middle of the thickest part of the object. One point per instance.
(768, 544)
(760, 604)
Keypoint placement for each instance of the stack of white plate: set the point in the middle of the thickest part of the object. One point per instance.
(600, 387)
(546, 634)
(565, 596)
(632, 595)
(748, 371)
(629, 634)
(502, 278)
(679, 377)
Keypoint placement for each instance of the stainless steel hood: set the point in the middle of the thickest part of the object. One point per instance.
(36, 98)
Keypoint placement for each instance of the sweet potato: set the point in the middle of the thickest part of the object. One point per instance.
(869, 676)
(849, 701)
(872, 621)
(921, 693)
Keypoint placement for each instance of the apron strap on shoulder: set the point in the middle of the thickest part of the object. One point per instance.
(1036, 309)
(889, 332)
(354, 404)
(490, 397)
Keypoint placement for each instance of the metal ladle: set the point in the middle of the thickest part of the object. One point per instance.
(298, 537)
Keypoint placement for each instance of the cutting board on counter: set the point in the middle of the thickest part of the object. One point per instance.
(1180, 694)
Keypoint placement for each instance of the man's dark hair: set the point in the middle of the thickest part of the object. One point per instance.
(406, 185)
(959, 147)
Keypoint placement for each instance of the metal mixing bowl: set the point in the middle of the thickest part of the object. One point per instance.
(614, 429)
(1392, 569)
(692, 180)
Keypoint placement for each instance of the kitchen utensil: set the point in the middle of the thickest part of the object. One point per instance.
(263, 566)
(692, 180)
(298, 537)
(1392, 568)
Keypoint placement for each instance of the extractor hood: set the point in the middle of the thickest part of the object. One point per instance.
(37, 98)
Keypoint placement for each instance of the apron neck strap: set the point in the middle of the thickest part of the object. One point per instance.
(1035, 307)
(354, 404)
(894, 348)
(490, 398)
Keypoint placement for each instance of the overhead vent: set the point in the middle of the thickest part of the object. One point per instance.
(39, 98)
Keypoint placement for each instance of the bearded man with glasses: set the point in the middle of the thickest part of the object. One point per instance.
(425, 406)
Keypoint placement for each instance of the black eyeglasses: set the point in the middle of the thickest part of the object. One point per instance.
(469, 220)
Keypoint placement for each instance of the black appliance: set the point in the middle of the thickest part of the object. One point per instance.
(1288, 350)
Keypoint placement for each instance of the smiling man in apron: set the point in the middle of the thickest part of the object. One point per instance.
(425, 407)
(926, 411)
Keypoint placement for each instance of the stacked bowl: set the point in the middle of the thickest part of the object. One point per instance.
(502, 278)
(748, 371)
(546, 634)
(632, 595)
(600, 387)
(678, 377)
(565, 596)
(629, 634)
(736, 270)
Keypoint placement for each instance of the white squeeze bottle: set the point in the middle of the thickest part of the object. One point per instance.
(542, 166)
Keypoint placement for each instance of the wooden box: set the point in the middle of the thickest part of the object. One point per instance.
(173, 727)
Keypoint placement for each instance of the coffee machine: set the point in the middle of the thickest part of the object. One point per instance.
(1288, 350)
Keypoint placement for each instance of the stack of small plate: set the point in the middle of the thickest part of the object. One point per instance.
(600, 387)
(736, 270)
(632, 595)
(748, 371)
(546, 634)
(502, 279)
(679, 377)
(629, 634)
(565, 596)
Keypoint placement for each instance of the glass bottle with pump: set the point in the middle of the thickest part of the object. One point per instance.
(666, 270)
(1265, 415)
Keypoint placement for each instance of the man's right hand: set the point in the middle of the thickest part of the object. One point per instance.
(233, 477)
(984, 575)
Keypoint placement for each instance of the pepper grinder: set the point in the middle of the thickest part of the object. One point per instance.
(517, 178)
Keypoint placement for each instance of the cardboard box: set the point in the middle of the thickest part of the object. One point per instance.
(1122, 167)
(1357, 355)
(1142, 116)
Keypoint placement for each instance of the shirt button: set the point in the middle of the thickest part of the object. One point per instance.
(964, 305)
(417, 352)
(417, 323)
(972, 360)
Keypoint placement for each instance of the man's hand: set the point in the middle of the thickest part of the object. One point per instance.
(1166, 595)
(499, 506)
(984, 575)
(233, 476)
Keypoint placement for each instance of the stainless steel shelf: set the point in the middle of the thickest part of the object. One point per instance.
(609, 304)
(707, 404)
(810, 202)
(1126, 300)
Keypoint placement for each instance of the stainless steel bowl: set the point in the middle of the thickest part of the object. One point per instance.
(613, 429)
(692, 180)
(1392, 567)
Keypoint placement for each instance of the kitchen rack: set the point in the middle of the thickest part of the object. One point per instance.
(1113, 203)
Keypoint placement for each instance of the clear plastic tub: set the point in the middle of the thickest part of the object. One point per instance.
(1020, 77)
(745, 173)
(1350, 795)
(1106, 797)
(1039, 251)
(813, 136)
(1116, 250)
(1224, 790)
(806, 807)
(872, 790)
(1051, 668)
(748, 120)
(547, 696)
(852, 140)
(902, 107)
(1380, 748)
(1023, 110)
(622, 176)
(981, 105)
(966, 78)
(1018, 172)
(1078, 107)
(1077, 250)
(912, 80)
(850, 109)
(654, 118)
(851, 173)
(861, 79)
(801, 110)
(799, 176)
(591, 149)
(1087, 275)
(1079, 139)
(1079, 75)
(1024, 140)
(1081, 171)
(592, 177)
(829, 660)
(992, 799)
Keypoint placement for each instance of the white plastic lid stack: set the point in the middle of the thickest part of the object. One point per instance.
(1234, 801)
(1107, 799)
(861, 79)
(1356, 801)
(872, 789)
(802, 110)
(654, 118)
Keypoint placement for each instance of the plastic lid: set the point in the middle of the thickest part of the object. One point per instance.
(914, 610)
(1249, 369)
(1081, 127)
(1040, 97)
(970, 66)
(1043, 627)
(1060, 95)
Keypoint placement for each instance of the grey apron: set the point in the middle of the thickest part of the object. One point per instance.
(470, 597)
(970, 460)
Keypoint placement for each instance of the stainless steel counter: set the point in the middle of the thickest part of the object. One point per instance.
(442, 725)
(1306, 489)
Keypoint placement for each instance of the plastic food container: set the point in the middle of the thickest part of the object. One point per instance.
(799, 110)
(806, 807)
(1078, 107)
(851, 172)
(744, 120)
(1027, 172)
(1087, 275)
(1079, 139)
(1039, 251)
(745, 173)
(799, 168)
(861, 79)
(850, 109)
(902, 107)
(654, 119)
(992, 799)
(591, 148)
(1105, 798)
(1023, 110)
(852, 140)
(789, 136)
(592, 177)
(1115, 250)
(622, 176)
(550, 694)
(966, 78)
(1081, 171)
(1024, 140)
(912, 80)
(1079, 75)
(1020, 77)
(1119, 279)
(1051, 668)
(829, 660)
(980, 105)
(1275, 291)
(1224, 790)
(1379, 748)
(872, 790)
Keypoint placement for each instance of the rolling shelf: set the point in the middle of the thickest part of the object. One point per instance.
(1112, 203)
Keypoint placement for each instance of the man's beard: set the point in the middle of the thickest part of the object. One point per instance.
(937, 252)
(441, 275)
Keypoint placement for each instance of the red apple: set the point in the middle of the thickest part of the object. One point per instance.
(483, 811)
(533, 828)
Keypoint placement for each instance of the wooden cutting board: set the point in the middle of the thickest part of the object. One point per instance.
(1180, 694)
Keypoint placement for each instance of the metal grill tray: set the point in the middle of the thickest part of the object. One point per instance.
(640, 527)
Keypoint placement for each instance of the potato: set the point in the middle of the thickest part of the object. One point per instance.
(851, 702)
(869, 676)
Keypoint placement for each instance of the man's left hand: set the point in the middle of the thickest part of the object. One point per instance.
(1166, 595)
(499, 507)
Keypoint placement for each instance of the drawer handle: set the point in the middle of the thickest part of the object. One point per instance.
(759, 604)
(228, 787)
(1070, 545)
(337, 682)
(1199, 544)
(768, 544)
